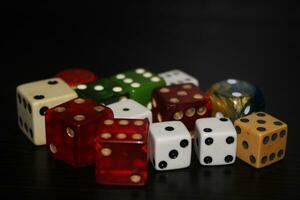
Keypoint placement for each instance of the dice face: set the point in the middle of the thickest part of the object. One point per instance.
(183, 102)
(175, 77)
(76, 76)
(102, 91)
(34, 99)
(130, 109)
(235, 98)
(215, 141)
(121, 152)
(71, 129)
(139, 83)
(169, 145)
(261, 139)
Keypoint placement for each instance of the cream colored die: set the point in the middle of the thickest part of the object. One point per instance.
(34, 99)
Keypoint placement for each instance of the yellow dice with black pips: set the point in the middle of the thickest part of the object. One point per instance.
(261, 139)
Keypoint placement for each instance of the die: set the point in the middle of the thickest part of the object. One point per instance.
(76, 76)
(139, 83)
(215, 141)
(102, 91)
(33, 100)
(130, 109)
(169, 145)
(122, 152)
(184, 102)
(261, 139)
(176, 76)
(235, 98)
(71, 130)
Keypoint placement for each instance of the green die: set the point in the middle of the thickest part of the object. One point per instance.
(103, 91)
(139, 83)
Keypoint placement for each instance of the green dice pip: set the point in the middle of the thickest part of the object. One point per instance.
(103, 91)
(139, 83)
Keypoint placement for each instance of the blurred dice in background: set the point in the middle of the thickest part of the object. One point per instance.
(176, 76)
(76, 76)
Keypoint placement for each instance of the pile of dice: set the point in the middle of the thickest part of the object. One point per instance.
(121, 122)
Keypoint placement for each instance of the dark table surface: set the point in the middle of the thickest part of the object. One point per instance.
(212, 40)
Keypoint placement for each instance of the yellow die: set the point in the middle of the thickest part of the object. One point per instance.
(261, 139)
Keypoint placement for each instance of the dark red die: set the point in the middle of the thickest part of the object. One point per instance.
(184, 102)
(71, 129)
(76, 76)
(122, 157)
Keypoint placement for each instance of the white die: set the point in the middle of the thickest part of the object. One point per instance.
(177, 76)
(130, 109)
(169, 145)
(215, 141)
(34, 99)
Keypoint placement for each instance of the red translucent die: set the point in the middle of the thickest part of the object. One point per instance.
(71, 129)
(121, 152)
(184, 102)
(76, 76)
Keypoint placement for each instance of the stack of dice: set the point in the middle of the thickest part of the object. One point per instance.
(119, 123)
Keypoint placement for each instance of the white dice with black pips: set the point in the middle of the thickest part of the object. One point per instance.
(130, 109)
(215, 141)
(176, 76)
(169, 145)
(34, 99)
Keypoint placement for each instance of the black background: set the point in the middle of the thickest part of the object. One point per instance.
(213, 40)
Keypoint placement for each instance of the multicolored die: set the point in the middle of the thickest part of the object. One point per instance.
(71, 129)
(139, 83)
(261, 139)
(235, 98)
(183, 102)
(122, 152)
(102, 91)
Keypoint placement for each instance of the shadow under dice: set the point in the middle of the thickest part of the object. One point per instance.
(261, 139)
(235, 98)
(121, 152)
(215, 141)
(170, 145)
(183, 102)
(34, 99)
(76, 76)
(71, 129)
(139, 83)
(102, 91)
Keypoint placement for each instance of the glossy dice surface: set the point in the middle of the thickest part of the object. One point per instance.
(102, 91)
(235, 98)
(121, 152)
(183, 102)
(71, 129)
(170, 145)
(261, 139)
(34, 99)
(139, 83)
(130, 109)
(176, 76)
(215, 141)
(76, 76)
